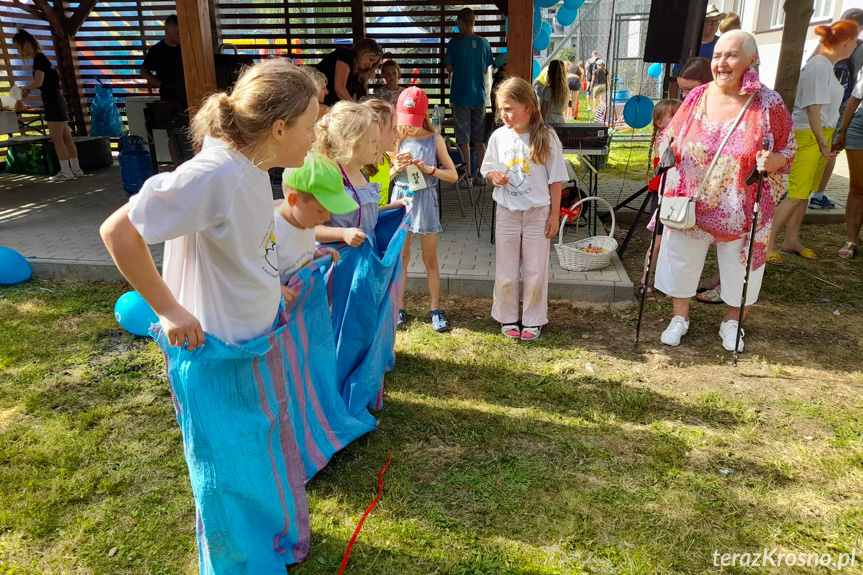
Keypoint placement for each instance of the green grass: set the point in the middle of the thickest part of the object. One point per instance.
(576, 454)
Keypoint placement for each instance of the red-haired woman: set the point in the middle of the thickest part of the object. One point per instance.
(816, 111)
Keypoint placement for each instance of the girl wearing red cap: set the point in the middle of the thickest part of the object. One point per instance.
(418, 152)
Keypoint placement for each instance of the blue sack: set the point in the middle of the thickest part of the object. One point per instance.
(105, 120)
(258, 421)
(366, 297)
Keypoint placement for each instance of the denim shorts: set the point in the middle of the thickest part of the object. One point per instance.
(469, 124)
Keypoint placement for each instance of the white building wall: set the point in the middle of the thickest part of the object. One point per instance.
(755, 18)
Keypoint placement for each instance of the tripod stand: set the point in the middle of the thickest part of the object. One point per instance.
(625, 204)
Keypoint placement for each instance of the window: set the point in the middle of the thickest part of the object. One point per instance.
(823, 10)
(735, 6)
(777, 16)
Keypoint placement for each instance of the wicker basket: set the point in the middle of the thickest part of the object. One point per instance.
(573, 259)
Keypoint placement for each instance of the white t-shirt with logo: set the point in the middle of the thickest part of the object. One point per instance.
(528, 187)
(294, 246)
(215, 215)
(817, 85)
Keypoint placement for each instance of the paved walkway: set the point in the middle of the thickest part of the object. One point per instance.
(57, 226)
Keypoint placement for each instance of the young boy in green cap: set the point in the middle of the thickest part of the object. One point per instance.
(312, 193)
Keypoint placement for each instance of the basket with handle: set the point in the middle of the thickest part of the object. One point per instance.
(577, 260)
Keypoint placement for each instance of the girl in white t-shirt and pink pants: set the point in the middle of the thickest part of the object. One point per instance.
(524, 161)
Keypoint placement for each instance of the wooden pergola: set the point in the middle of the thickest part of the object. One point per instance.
(291, 27)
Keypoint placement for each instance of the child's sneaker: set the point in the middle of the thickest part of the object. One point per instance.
(62, 177)
(403, 317)
(531, 333)
(510, 330)
(438, 319)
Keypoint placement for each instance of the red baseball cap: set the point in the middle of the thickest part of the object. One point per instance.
(412, 107)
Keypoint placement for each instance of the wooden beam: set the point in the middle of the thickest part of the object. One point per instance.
(74, 23)
(358, 19)
(196, 41)
(519, 41)
(27, 8)
(798, 13)
(67, 65)
(51, 15)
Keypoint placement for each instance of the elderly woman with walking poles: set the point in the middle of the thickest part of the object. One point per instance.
(717, 137)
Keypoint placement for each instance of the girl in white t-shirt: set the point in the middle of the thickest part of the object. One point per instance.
(524, 161)
(215, 212)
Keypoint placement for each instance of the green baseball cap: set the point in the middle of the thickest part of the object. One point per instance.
(321, 178)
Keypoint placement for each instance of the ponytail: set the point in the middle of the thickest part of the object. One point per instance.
(837, 33)
(265, 93)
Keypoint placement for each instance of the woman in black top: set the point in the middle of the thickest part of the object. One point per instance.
(47, 81)
(349, 70)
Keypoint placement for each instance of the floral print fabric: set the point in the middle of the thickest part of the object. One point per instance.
(724, 205)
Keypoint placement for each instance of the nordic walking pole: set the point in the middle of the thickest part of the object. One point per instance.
(666, 161)
(755, 210)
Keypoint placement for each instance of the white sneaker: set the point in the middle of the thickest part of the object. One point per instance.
(78, 173)
(62, 177)
(675, 330)
(728, 333)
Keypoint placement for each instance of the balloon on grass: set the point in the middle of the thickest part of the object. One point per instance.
(134, 314)
(13, 267)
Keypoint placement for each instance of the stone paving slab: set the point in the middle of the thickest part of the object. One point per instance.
(56, 225)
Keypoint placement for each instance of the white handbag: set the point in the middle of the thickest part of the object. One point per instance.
(678, 212)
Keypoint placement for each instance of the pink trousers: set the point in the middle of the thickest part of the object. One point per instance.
(521, 244)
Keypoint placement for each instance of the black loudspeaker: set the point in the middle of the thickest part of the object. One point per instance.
(674, 30)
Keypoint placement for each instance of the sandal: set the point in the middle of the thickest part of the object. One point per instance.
(706, 285)
(650, 295)
(710, 296)
(848, 251)
(804, 253)
(774, 259)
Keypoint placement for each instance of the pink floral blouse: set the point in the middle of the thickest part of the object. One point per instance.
(723, 209)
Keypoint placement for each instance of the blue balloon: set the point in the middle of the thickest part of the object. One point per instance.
(457, 30)
(543, 41)
(536, 68)
(638, 112)
(655, 70)
(547, 27)
(505, 26)
(573, 4)
(13, 267)
(134, 314)
(566, 17)
(537, 22)
(544, 3)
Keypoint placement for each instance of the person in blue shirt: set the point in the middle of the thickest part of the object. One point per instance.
(467, 59)
(708, 42)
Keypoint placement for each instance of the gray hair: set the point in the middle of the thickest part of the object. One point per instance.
(745, 39)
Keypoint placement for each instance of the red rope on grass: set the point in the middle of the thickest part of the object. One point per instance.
(366, 514)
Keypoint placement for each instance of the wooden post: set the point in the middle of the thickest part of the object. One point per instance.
(196, 41)
(63, 32)
(519, 41)
(358, 19)
(798, 13)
